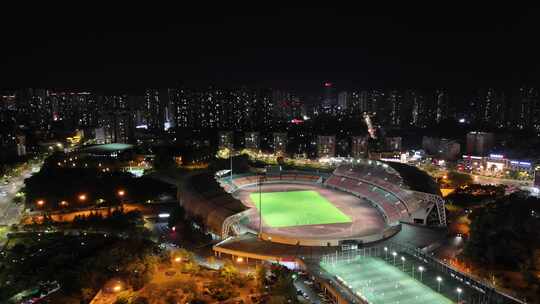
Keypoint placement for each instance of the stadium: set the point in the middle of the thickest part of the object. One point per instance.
(359, 232)
(362, 202)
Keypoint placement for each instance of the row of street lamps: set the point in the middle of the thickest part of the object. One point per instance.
(421, 270)
(82, 197)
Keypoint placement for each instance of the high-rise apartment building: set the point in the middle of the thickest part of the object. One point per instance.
(326, 146)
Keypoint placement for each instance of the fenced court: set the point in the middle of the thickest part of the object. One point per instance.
(395, 273)
(297, 208)
(379, 282)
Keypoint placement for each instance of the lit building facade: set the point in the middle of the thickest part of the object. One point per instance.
(279, 144)
(252, 140)
(326, 146)
(479, 143)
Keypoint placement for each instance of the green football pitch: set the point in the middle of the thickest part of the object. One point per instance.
(382, 283)
(296, 208)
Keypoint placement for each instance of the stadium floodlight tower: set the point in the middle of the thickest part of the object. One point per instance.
(260, 181)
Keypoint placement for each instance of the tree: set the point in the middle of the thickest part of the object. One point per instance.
(140, 300)
(87, 294)
(228, 271)
(121, 300)
(177, 215)
(18, 199)
(457, 179)
(163, 161)
(277, 300)
(260, 272)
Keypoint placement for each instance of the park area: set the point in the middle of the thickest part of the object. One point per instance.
(382, 283)
(297, 208)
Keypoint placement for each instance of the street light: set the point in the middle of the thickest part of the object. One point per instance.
(121, 194)
(63, 203)
(386, 253)
(421, 269)
(439, 280)
(458, 290)
(40, 203)
(403, 263)
(394, 254)
(82, 197)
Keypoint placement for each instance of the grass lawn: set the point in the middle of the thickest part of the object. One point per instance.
(382, 283)
(295, 208)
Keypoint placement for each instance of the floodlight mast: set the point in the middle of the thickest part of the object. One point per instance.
(261, 179)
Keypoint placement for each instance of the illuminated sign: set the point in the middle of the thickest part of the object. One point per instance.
(472, 157)
(498, 156)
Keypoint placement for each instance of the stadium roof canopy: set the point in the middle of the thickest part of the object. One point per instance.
(416, 179)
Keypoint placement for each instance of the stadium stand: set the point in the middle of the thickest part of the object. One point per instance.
(382, 185)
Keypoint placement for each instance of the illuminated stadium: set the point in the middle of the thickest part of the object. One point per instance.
(362, 202)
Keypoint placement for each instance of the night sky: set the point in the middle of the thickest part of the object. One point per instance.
(295, 48)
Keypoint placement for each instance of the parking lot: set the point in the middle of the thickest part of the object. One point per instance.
(308, 292)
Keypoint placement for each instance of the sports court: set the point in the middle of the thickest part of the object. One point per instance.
(296, 208)
(382, 283)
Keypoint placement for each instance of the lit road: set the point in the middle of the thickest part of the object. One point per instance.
(10, 213)
(499, 181)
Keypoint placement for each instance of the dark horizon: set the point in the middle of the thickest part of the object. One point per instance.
(288, 48)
